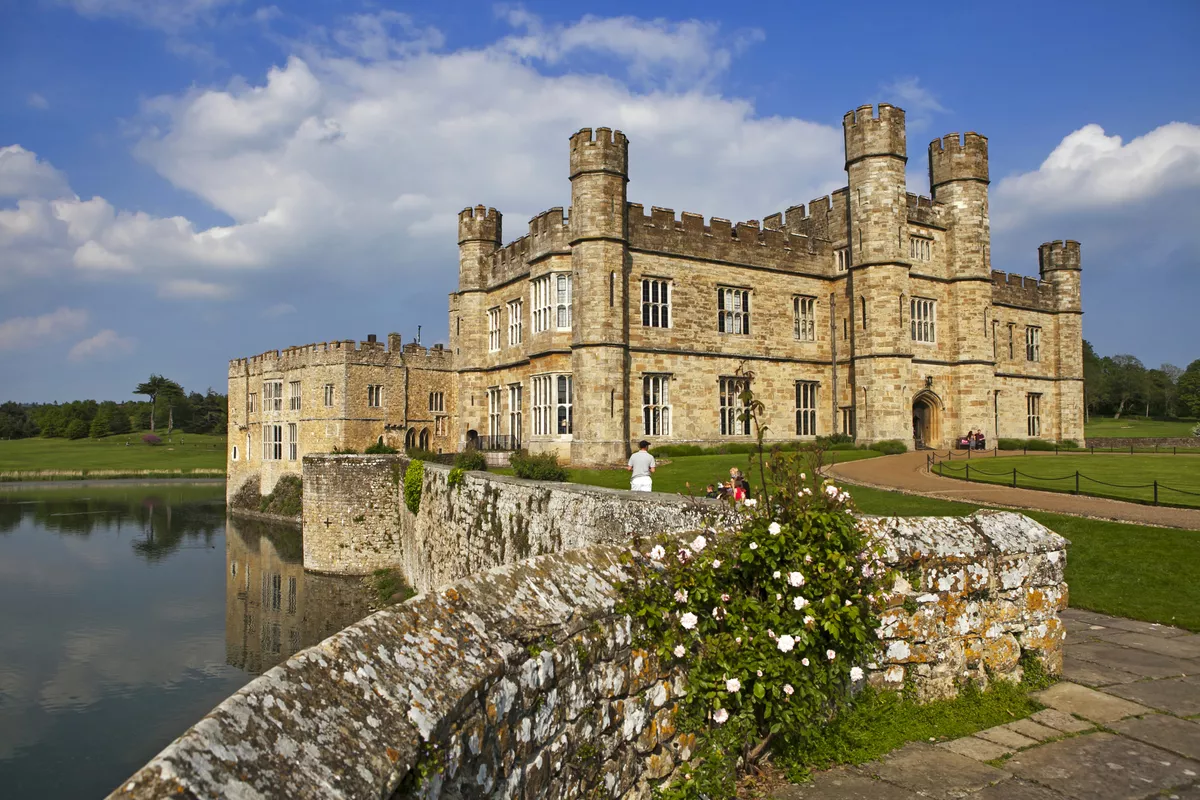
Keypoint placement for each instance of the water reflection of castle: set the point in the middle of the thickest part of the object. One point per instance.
(273, 608)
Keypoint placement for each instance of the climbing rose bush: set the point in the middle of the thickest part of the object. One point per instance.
(771, 619)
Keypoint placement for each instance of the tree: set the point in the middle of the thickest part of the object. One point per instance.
(1094, 380)
(78, 429)
(154, 388)
(1189, 388)
(1126, 381)
(99, 426)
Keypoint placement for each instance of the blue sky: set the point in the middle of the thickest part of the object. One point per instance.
(186, 182)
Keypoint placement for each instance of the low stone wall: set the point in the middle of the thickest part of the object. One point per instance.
(1144, 443)
(355, 519)
(524, 682)
(246, 513)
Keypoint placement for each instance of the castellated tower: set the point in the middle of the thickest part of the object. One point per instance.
(958, 178)
(1060, 265)
(878, 241)
(479, 236)
(599, 270)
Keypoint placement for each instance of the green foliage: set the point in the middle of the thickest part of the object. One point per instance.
(423, 455)
(537, 466)
(380, 449)
(469, 460)
(414, 478)
(77, 429)
(1026, 444)
(389, 586)
(247, 496)
(890, 447)
(455, 478)
(16, 422)
(99, 427)
(344, 451)
(880, 721)
(1068, 444)
(835, 438)
(772, 618)
(286, 499)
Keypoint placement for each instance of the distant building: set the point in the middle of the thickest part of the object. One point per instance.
(872, 312)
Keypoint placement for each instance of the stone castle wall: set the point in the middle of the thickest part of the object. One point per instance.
(523, 682)
(355, 519)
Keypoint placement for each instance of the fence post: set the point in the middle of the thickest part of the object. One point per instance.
(1014, 477)
(968, 472)
(1093, 449)
(1076, 481)
(1156, 493)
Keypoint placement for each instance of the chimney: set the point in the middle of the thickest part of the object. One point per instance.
(371, 338)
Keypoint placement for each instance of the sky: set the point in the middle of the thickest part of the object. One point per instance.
(186, 182)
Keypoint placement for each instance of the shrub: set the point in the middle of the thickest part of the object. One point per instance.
(423, 455)
(151, 439)
(1025, 444)
(414, 479)
(247, 496)
(834, 438)
(1068, 444)
(1196, 431)
(469, 460)
(99, 427)
(455, 478)
(890, 447)
(380, 449)
(770, 621)
(286, 499)
(538, 467)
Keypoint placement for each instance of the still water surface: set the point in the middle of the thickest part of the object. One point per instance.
(127, 613)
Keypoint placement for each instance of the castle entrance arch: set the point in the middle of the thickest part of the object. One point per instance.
(927, 420)
(410, 439)
(424, 440)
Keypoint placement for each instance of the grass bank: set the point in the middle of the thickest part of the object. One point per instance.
(119, 456)
(1137, 427)
(1120, 477)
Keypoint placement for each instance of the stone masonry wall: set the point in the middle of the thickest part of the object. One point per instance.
(1163, 442)
(355, 520)
(523, 681)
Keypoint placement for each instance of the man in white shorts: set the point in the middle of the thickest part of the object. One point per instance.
(641, 464)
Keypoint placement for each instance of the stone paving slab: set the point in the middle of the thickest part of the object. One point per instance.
(1060, 721)
(976, 748)
(1139, 662)
(843, 784)
(1120, 623)
(1088, 703)
(1186, 647)
(934, 772)
(1103, 766)
(1090, 673)
(1016, 789)
(1179, 696)
(1170, 733)
(1033, 730)
(1191, 793)
(1006, 738)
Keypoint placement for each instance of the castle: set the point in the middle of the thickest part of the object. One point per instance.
(872, 312)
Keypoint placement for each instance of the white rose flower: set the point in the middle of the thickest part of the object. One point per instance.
(681, 595)
(657, 552)
(804, 661)
(808, 559)
(720, 716)
(830, 655)
(760, 673)
(699, 543)
(803, 477)
(679, 651)
(733, 685)
(831, 490)
(809, 620)
(785, 643)
(774, 528)
(775, 574)
(688, 621)
(716, 563)
(795, 579)
(750, 501)
(754, 545)
(787, 689)
(856, 673)
(799, 603)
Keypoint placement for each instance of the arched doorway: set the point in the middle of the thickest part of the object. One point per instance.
(410, 439)
(424, 438)
(927, 420)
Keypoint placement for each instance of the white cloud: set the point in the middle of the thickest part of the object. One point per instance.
(30, 331)
(37, 101)
(105, 344)
(1090, 170)
(189, 289)
(166, 15)
(919, 103)
(23, 176)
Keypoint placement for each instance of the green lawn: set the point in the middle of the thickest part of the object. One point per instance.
(1134, 571)
(1123, 477)
(1137, 427)
(187, 452)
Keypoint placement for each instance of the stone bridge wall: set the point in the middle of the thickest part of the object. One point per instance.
(1165, 443)
(355, 520)
(523, 682)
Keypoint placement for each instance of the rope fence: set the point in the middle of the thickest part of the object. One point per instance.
(1159, 493)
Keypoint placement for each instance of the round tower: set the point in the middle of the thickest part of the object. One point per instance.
(479, 235)
(599, 248)
(1059, 264)
(877, 341)
(958, 177)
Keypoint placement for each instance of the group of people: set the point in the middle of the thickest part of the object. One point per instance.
(642, 465)
(974, 440)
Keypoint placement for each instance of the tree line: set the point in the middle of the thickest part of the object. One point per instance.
(1122, 384)
(168, 408)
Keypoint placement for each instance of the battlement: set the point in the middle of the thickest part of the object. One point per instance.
(480, 224)
(871, 133)
(955, 159)
(548, 233)
(772, 245)
(1059, 255)
(1022, 291)
(605, 150)
(924, 210)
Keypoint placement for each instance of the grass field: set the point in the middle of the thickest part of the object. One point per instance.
(185, 452)
(1123, 477)
(1137, 427)
(1134, 571)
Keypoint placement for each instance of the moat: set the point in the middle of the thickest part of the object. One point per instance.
(129, 612)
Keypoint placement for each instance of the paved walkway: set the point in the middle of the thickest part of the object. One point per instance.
(906, 473)
(1123, 725)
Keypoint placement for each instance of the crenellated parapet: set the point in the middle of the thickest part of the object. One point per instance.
(773, 245)
(480, 224)
(343, 351)
(1059, 255)
(605, 150)
(869, 133)
(1022, 291)
(548, 233)
(925, 210)
(954, 159)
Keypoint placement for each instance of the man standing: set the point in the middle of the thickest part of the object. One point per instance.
(641, 465)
